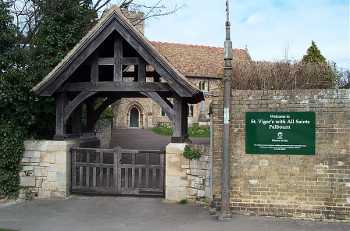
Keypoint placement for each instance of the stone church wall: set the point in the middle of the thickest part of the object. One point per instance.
(316, 187)
(150, 112)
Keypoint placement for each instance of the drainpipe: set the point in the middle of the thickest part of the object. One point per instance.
(225, 213)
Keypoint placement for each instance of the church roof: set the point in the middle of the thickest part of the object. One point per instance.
(197, 60)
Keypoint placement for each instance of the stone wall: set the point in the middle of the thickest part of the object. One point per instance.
(316, 187)
(46, 169)
(187, 179)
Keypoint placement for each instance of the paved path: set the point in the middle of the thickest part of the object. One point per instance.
(144, 139)
(137, 214)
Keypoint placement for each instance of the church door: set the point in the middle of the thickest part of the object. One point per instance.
(134, 117)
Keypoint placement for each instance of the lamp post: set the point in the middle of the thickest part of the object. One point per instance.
(225, 213)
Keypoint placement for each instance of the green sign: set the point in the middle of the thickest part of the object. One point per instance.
(280, 133)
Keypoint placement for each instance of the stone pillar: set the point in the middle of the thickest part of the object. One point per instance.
(175, 178)
(46, 168)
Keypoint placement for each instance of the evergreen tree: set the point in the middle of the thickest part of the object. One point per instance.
(7, 36)
(63, 23)
(313, 55)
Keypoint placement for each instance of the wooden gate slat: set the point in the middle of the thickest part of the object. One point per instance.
(101, 169)
(126, 180)
(94, 177)
(81, 176)
(115, 170)
(74, 168)
(154, 183)
(162, 166)
(147, 171)
(139, 178)
(87, 183)
(107, 180)
(133, 171)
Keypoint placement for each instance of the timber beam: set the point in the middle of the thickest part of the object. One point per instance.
(117, 87)
(109, 61)
(163, 103)
(72, 105)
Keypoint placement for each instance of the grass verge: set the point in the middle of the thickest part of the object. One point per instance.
(194, 131)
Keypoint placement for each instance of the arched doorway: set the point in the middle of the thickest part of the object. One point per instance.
(134, 117)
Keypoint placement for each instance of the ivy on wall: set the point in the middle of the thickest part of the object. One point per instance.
(11, 146)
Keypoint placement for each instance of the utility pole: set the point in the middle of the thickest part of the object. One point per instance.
(225, 213)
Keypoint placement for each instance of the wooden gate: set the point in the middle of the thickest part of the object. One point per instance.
(117, 171)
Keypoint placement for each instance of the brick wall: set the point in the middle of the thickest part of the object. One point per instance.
(316, 187)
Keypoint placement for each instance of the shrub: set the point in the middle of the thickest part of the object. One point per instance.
(191, 154)
(199, 131)
(163, 130)
(281, 76)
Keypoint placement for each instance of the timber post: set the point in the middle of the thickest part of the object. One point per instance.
(61, 101)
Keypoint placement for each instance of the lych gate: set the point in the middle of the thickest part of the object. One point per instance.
(111, 62)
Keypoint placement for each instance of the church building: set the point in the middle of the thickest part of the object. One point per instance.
(201, 65)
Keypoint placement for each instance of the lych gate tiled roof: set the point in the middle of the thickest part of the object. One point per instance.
(195, 60)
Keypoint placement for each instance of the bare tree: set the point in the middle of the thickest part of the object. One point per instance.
(27, 16)
(160, 8)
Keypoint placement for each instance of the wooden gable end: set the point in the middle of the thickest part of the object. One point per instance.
(110, 49)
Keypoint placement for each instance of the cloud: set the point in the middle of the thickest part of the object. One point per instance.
(254, 19)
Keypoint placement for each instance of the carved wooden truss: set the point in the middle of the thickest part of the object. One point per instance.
(111, 62)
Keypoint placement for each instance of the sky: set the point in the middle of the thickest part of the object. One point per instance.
(270, 29)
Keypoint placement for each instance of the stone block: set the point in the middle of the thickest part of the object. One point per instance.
(253, 182)
(175, 148)
(44, 157)
(44, 164)
(264, 163)
(61, 158)
(52, 168)
(39, 182)
(175, 194)
(61, 180)
(175, 181)
(40, 171)
(27, 181)
(201, 193)
(30, 154)
(28, 168)
(192, 192)
(51, 177)
(185, 166)
(26, 160)
(58, 194)
(35, 160)
(44, 194)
